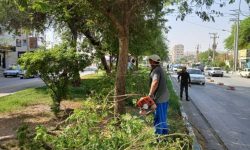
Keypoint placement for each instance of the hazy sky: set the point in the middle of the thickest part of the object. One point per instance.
(193, 31)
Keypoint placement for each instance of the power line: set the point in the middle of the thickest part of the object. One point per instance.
(204, 26)
(214, 45)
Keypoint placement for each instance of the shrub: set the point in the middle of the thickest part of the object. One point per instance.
(55, 67)
(92, 129)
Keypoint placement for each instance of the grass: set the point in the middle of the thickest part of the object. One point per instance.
(173, 99)
(97, 87)
(94, 127)
(175, 119)
(23, 99)
(32, 96)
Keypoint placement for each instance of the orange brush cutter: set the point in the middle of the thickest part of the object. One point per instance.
(146, 105)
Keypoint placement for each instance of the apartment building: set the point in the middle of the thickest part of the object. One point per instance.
(13, 46)
(177, 52)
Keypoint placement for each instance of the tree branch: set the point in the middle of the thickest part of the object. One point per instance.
(135, 5)
(107, 12)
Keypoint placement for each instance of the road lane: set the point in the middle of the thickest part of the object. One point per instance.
(11, 85)
(226, 111)
(233, 80)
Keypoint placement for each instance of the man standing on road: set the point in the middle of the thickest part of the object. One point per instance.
(159, 93)
(185, 82)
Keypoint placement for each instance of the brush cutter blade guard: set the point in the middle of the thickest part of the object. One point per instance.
(146, 103)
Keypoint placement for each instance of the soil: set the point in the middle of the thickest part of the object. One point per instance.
(39, 114)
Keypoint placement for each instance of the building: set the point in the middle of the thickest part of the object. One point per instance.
(244, 58)
(177, 52)
(170, 56)
(12, 47)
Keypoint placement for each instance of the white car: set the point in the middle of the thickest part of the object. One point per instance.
(175, 68)
(245, 73)
(24, 75)
(196, 76)
(215, 71)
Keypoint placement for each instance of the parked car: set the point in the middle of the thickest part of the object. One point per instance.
(198, 66)
(207, 69)
(179, 69)
(215, 71)
(174, 68)
(196, 76)
(24, 75)
(12, 71)
(245, 73)
(91, 68)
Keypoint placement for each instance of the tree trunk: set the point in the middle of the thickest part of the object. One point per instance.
(110, 61)
(105, 65)
(136, 62)
(121, 72)
(98, 47)
(116, 63)
(76, 76)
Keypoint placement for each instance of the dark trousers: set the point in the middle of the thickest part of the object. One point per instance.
(186, 90)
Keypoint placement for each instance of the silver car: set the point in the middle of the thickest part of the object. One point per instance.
(215, 71)
(12, 71)
(196, 76)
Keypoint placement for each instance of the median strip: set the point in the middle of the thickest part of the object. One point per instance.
(220, 83)
(231, 88)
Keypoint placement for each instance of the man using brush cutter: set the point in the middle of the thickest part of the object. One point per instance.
(159, 93)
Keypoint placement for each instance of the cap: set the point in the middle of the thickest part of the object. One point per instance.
(155, 58)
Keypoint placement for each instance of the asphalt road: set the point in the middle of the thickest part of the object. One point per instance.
(13, 84)
(226, 111)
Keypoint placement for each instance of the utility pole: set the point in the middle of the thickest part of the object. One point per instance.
(197, 52)
(214, 45)
(236, 20)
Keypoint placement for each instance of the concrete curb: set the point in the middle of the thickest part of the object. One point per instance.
(220, 83)
(228, 87)
(231, 88)
(196, 145)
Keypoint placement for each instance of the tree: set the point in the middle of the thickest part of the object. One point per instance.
(73, 16)
(219, 60)
(244, 36)
(55, 67)
(12, 19)
(206, 56)
(64, 15)
(122, 14)
(146, 37)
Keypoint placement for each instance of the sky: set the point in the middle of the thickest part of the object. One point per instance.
(193, 31)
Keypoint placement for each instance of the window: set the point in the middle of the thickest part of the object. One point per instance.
(217, 69)
(18, 43)
(19, 54)
(24, 42)
(193, 71)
